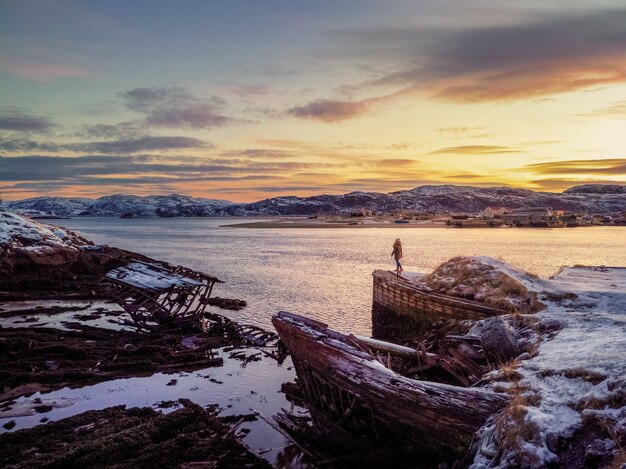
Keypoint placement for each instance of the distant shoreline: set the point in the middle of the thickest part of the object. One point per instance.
(304, 224)
(317, 224)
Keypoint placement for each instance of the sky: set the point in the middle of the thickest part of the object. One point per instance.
(246, 99)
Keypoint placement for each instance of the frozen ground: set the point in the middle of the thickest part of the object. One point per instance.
(579, 368)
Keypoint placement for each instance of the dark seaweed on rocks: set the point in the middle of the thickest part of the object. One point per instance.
(129, 438)
(227, 303)
(52, 358)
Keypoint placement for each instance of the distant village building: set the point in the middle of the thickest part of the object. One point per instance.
(530, 216)
(406, 213)
(361, 212)
(345, 213)
(355, 212)
(599, 219)
(494, 212)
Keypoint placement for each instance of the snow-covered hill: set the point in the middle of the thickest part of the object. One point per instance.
(592, 198)
(173, 205)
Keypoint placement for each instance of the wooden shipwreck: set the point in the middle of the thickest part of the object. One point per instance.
(401, 307)
(349, 378)
(160, 293)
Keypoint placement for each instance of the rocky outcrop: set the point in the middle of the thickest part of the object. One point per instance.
(227, 303)
(39, 257)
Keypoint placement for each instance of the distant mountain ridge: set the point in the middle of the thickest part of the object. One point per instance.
(595, 198)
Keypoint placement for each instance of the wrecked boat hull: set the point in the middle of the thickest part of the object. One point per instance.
(360, 393)
(400, 307)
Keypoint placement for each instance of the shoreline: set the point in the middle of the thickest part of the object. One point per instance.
(303, 224)
(284, 223)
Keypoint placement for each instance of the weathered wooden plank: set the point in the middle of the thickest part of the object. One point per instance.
(388, 347)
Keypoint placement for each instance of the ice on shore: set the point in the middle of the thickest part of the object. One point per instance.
(579, 369)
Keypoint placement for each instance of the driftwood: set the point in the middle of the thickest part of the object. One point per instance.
(359, 391)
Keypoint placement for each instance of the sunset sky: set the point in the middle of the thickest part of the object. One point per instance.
(243, 100)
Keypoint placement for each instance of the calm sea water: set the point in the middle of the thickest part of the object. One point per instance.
(326, 273)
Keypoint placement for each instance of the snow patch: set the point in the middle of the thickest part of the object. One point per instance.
(581, 365)
(21, 231)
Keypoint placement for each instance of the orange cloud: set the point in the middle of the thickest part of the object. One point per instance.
(608, 167)
(542, 79)
(541, 56)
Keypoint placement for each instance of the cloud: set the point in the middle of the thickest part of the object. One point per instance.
(143, 99)
(288, 190)
(393, 162)
(18, 121)
(540, 142)
(121, 130)
(463, 176)
(244, 92)
(27, 146)
(175, 107)
(123, 146)
(475, 150)
(74, 169)
(616, 109)
(560, 184)
(537, 57)
(609, 167)
(136, 180)
(43, 73)
(326, 110)
(137, 145)
(261, 153)
(459, 130)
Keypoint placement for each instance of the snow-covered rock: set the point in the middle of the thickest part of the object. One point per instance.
(482, 279)
(500, 341)
(577, 373)
(37, 256)
(18, 231)
(27, 242)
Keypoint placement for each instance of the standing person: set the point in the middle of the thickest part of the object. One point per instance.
(397, 255)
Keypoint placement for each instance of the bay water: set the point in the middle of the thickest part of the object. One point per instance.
(325, 273)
